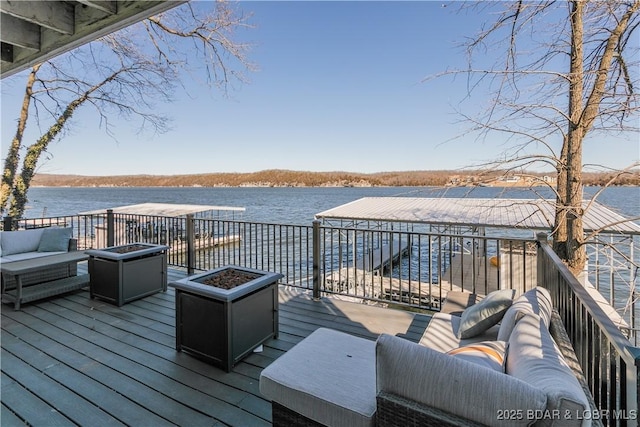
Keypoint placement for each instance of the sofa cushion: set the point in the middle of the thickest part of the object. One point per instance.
(457, 301)
(535, 359)
(435, 379)
(55, 239)
(486, 313)
(535, 301)
(489, 354)
(328, 377)
(442, 333)
(15, 242)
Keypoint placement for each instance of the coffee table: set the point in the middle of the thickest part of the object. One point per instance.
(30, 293)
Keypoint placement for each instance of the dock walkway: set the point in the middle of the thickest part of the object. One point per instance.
(380, 258)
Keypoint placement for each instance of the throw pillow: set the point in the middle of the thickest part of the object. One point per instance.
(55, 240)
(483, 315)
(490, 354)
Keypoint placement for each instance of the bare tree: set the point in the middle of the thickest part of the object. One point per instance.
(567, 72)
(123, 74)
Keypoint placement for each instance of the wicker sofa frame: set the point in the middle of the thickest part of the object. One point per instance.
(44, 275)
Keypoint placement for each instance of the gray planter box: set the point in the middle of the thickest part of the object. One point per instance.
(124, 277)
(222, 326)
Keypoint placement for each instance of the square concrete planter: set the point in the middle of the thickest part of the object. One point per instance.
(222, 326)
(121, 274)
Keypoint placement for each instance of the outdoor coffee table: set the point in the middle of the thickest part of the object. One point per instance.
(16, 269)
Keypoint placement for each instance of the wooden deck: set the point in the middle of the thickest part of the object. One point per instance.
(71, 360)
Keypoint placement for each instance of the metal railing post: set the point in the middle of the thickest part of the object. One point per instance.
(541, 238)
(110, 228)
(316, 259)
(7, 223)
(191, 248)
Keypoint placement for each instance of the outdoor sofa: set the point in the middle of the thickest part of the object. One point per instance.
(512, 364)
(34, 243)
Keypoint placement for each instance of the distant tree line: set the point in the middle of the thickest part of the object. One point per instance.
(278, 178)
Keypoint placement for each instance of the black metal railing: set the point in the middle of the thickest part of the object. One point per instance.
(406, 267)
(608, 360)
(410, 268)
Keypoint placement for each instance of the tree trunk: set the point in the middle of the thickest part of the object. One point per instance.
(22, 182)
(575, 251)
(13, 155)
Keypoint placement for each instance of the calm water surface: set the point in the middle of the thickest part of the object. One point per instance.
(283, 205)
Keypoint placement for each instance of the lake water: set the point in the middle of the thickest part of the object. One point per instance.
(283, 205)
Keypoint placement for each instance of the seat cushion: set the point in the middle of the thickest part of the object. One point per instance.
(329, 377)
(442, 333)
(486, 313)
(457, 301)
(535, 301)
(26, 255)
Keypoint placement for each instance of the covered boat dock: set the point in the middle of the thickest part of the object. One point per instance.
(480, 249)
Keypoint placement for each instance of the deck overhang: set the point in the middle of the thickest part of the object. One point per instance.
(34, 31)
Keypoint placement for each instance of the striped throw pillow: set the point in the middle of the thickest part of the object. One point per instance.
(490, 354)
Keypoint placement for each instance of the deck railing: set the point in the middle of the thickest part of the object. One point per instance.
(362, 263)
(609, 361)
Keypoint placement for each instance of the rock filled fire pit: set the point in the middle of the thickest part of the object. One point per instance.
(120, 274)
(222, 315)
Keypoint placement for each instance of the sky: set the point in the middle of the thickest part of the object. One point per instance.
(339, 86)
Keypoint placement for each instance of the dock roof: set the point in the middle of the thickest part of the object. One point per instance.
(530, 214)
(164, 209)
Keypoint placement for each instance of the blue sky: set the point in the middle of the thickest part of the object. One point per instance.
(338, 87)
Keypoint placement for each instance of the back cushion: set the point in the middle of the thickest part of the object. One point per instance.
(15, 242)
(55, 239)
(535, 301)
(535, 359)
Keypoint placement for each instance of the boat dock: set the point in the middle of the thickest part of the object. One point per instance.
(380, 258)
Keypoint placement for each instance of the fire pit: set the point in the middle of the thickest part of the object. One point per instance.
(222, 315)
(120, 274)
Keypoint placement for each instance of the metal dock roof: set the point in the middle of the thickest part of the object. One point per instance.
(164, 209)
(533, 214)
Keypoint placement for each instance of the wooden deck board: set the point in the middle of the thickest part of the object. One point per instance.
(72, 360)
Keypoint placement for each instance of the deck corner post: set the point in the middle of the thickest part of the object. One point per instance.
(110, 228)
(191, 253)
(316, 259)
(7, 223)
(542, 239)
